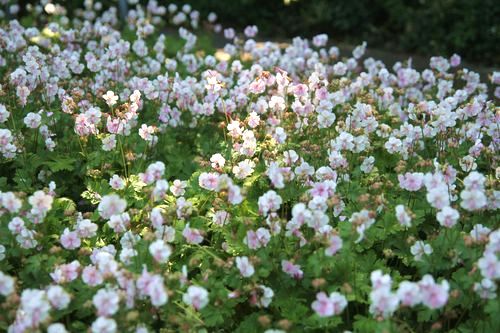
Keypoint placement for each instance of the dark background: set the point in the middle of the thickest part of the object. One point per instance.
(427, 27)
(418, 27)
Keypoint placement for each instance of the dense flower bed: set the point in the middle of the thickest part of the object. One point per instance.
(149, 186)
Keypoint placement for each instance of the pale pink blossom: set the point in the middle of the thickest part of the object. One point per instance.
(327, 306)
(196, 296)
(245, 267)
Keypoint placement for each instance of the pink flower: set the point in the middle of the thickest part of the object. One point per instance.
(245, 267)
(196, 296)
(209, 180)
(178, 187)
(257, 87)
(157, 292)
(380, 280)
(383, 302)
(58, 297)
(251, 31)
(489, 266)
(434, 295)
(66, 272)
(320, 40)
(234, 195)
(291, 269)
(438, 197)
(334, 245)
(91, 276)
(111, 205)
(409, 293)
(160, 190)
(70, 240)
(213, 84)
(40, 202)
(192, 236)
(323, 189)
(257, 239)
(472, 200)
(106, 302)
(16, 225)
(455, 60)
(10, 202)
(269, 202)
(402, 216)
(147, 132)
(447, 217)
(221, 217)
(411, 181)
(327, 306)
(160, 251)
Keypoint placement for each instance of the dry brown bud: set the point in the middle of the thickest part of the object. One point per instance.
(318, 283)
(264, 320)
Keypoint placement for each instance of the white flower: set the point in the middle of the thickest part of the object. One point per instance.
(56, 328)
(367, 165)
(486, 289)
(447, 217)
(243, 169)
(34, 303)
(393, 145)
(217, 161)
(327, 306)
(40, 202)
(10, 202)
(33, 120)
(438, 197)
(111, 205)
(196, 296)
(110, 98)
(383, 302)
(58, 297)
(280, 135)
(472, 200)
(117, 183)
(409, 293)
(213, 85)
(245, 267)
(403, 217)
(104, 325)
(109, 143)
(489, 266)
(277, 102)
(419, 249)
(160, 251)
(209, 180)
(6, 284)
(4, 114)
(267, 296)
(106, 302)
(269, 202)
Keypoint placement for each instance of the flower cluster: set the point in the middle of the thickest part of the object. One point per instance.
(259, 188)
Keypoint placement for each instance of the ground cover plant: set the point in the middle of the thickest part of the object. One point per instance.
(151, 184)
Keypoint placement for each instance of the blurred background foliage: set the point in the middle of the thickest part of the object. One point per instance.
(428, 27)
(425, 27)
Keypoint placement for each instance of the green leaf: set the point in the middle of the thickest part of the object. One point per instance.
(61, 163)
